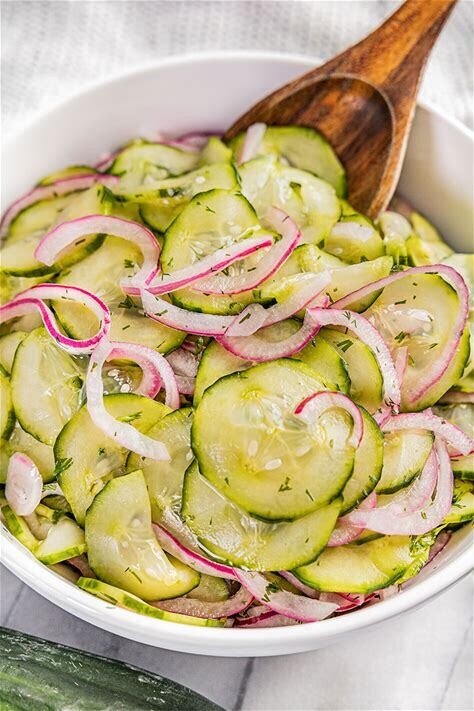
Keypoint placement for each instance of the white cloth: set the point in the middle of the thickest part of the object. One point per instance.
(53, 48)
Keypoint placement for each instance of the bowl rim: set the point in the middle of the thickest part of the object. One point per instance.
(229, 641)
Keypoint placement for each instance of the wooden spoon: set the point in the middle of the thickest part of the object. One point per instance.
(363, 100)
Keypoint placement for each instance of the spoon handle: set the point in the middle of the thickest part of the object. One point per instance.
(393, 56)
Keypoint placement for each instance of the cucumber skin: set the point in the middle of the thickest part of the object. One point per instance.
(45, 676)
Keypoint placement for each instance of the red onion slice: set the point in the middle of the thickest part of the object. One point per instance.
(298, 607)
(155, 370)
(461, 443)
(384, 520)
(182, 319)
(254, 316)
(268, 265)
(183, 362)
(32, 300)
(195, 560)
(24, 485)
(368, 334)
(315, 405)
(215, 262)
(45, 192)
(455, 279)
(454, 397)
(65, 235)
(346, 532)
(253, 139)
(200, 608)
(121, 432)
(81, 562)
(400, 360)
(256, 349)
(264, 619)
(296, 582)
(197, 139)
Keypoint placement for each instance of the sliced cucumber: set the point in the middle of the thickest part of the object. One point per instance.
(463, 467)
(405, 455)
(424, 229)
(216, 361)
(122, 548)
(41, 454)
(352, 277)
(368, 462)
(366, 567)
(362, 367)
(420, 252)
(462, 508)
(65, 540)
(19, 528)
(396, 230)
(230, 534)
(212, 220)
(17, 257)
(163, 200)
(215, 151)
(101, 273)
(36, 219)
(114, 595)
(253, 448)
(354, 239)
(70, 172)
(7, 413)
(210, 589)
(418, 312)
(164, 480)
(46, 386)
(8, 345)
(86, 458)
(142, 163)
(311, 202)
(302, 148)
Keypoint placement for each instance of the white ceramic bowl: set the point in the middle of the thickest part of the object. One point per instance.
(209, 91)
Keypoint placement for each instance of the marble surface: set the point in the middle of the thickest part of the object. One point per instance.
(421, 661)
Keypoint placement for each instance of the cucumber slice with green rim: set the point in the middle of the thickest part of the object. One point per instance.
(421, 252)
(364, 373)
(163, 200)
(20, 441)
(351, 246)
(69, 172)
(311, 202)
(367, 567)
(418, 312)
(8, 345)
(142, 162)
(42, 368)
(212, 220)
(18, 258)
(424, 229)
(462, 508)
(216, 361)
(254, 449)
(50, 514)
(115, 596)
(303, 148)
(36, 219)
(396, 230)
(122, 548)
(463, 467)
(164, 480)
(65, 539)
(101, 273)
(7, 413)
(215, 151)
(210, 589)
(230, 534)
(405, 455)
(86, 458)
(19, 528)
(368, 463)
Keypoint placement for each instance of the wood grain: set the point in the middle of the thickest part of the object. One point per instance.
(363, 100)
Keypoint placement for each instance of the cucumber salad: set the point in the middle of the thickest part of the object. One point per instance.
(227, 397)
